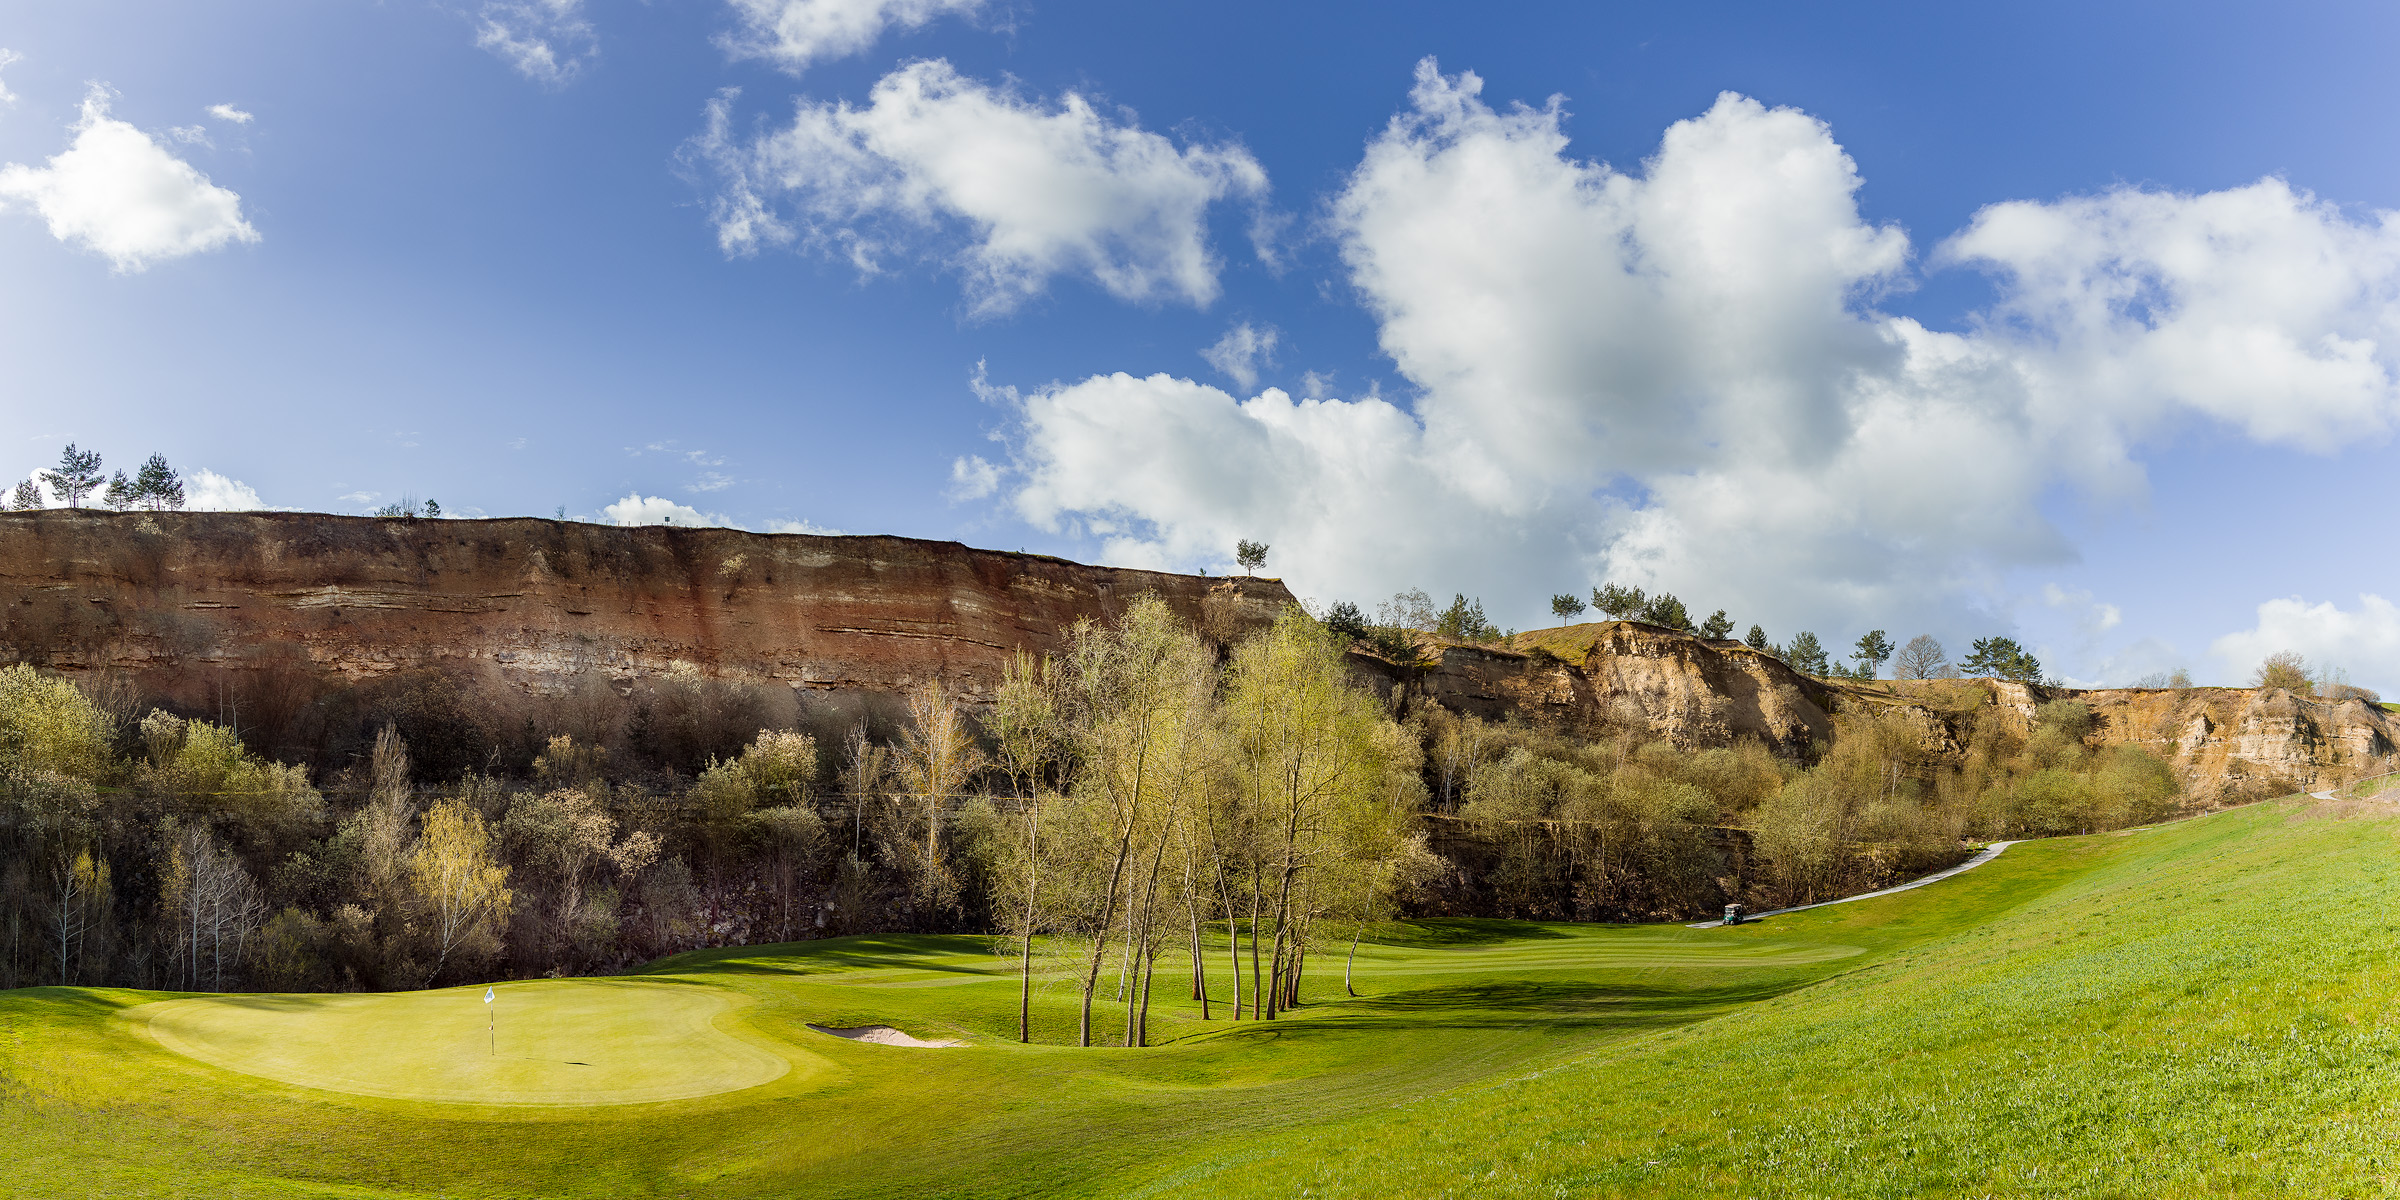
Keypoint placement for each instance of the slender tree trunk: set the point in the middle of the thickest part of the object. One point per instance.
(1199, 965)
(1125, 964)
(1126, 968)
(1108, 905)
(1283, 916)
(1145, 949)
(1258, 987)
(1352, 961)
(1142, 1026)
(1233, 952)
(1033, 881)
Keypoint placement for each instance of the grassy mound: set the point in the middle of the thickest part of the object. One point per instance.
(2199, 1009)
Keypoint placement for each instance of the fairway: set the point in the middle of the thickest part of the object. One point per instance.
(1939, 1041)
(578, 1041)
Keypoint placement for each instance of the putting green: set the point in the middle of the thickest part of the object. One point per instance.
(562, 1042)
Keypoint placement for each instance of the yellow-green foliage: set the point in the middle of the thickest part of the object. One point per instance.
(775, 769)
(2050, 783)
(207, 769)
(1590, 837)
(47, 725)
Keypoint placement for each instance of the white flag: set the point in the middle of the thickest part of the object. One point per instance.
(487, 995)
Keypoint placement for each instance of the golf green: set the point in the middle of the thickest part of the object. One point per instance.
(562, 1041)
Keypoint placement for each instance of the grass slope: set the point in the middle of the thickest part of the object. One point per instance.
(2203, 1009)
(2192, 1010)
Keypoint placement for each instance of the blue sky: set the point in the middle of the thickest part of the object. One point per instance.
(873, 265)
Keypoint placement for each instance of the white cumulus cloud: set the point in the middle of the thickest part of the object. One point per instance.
(8, 56)
(227, 112)
(1677, 376)
(547, 41)
(972, 478)
(1010, 191)
(206, 491)
(792, 34)
(638, 509)
(801, 527)
(1241, 352)
(2364, 641)
(118, 192)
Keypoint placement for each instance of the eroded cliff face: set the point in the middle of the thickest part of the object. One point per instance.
(190, 606)
(1697, 693)
(180, 602)
(1591, 679)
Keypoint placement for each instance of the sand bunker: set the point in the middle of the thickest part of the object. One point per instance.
(881, 1035)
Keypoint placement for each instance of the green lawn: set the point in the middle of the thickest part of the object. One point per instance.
(2198, 1009)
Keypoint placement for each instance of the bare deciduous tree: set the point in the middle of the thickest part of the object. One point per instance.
(1921, 658)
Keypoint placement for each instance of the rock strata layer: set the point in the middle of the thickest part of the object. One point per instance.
(1699, 693)
(188, 606)
(181, 601)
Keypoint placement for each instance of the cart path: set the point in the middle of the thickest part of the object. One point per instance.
(1990, 852)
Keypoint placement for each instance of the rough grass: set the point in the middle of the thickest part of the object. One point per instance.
(2198, 1009)
(2203, 1009)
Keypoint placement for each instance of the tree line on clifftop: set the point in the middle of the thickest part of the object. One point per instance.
(1110, 806)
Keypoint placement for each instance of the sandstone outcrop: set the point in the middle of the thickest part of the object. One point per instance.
(1588, 679)
(1697, 693)
(181, 602)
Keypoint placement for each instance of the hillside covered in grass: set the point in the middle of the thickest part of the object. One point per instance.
(2200, 1009)
(2195, 1009)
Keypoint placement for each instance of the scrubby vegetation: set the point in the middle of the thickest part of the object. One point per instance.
(1149, 789)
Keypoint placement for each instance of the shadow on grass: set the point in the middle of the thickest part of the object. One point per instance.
(1517, 1005)
(911, 952)
(1541, 1000)
(52, 1002)
(1436, 932)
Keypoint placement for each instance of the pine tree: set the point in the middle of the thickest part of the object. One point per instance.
(157, 486)
(1665, 610)
(1718, 626)
(1757, 639)
(1872, 652)
(2003, 657)
(1619, 601)
(27, 498)
(120, 493)
(77, 475)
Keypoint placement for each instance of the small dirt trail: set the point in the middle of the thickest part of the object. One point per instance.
(1989, 853)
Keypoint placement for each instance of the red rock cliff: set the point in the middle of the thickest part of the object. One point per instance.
(180, 601)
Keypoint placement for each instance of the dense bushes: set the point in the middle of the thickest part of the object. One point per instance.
(1149, 781)
(1622, 830)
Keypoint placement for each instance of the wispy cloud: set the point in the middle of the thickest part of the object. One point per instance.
(547, 41)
